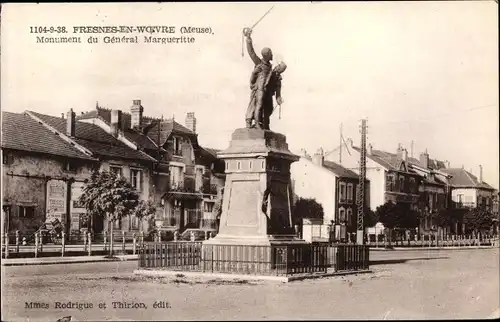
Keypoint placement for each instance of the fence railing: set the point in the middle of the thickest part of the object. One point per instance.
(255, 260)
(436, 241)
(41, 244)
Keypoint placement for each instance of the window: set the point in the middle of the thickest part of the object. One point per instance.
(134, 222)
(349, 192)
(413, 185)
(70, 166)
(401, 183)
(342, 193)
(199, 179)
(208, 206)
(342, 215)
(389, 182)
(5, 158)
(26, 212)
(176, 177)
(116, 170)
(136, 179)
(349, 217)
(177, 145)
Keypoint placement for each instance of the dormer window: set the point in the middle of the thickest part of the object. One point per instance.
(177, 145)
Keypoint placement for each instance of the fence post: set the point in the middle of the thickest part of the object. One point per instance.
(84, 242)
(176, 235)
(17, 241)
(142, 238)
(159, 236)
(123, 240)
(133, 244)
(209, 235)
(36, 244)
(206, 235)
(40, 236)
(90, 243)
(192, 236)
(63, 243)
(105, 240)
(6, 239)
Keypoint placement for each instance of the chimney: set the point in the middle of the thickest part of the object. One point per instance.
(370, 149)
(480, 174)
(405, 155)
(116, 122)
(191, 121)
(303, 152)
(399, 151)
(70, 123)
(136, 114)
(62, 116)
(424, 159)
(319, 157)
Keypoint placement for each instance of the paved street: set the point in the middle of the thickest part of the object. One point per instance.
(423, 284)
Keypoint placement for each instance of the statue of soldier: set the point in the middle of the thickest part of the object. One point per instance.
(259, 79)
(273, 88)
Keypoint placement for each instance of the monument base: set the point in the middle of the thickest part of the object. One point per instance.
(255, 240)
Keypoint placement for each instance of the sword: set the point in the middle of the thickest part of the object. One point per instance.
(251, 28)
(255, 24)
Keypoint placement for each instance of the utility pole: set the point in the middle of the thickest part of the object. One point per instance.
(340, 145)
(361, 185)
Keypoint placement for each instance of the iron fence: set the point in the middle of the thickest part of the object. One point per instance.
(277, 260)
(433, 240)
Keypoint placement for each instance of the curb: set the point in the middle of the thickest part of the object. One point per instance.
(232, 277)
(71, 260)
(432, 248)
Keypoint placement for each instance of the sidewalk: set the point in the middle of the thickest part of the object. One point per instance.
(64, 260)
(431, 248)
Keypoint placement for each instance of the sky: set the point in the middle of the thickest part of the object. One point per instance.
(425, 72)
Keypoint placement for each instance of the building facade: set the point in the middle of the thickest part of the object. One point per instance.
(331, 185)
(186, 177)
(390, 176)
(37, 172)
(63, 174)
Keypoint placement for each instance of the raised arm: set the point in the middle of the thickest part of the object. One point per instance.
(251, 52)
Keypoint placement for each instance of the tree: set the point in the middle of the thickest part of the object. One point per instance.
(306, 208)
(449, 216)
(107, 194)
(386, 215)
(370, 218)
(406, 217)
(397, 216)
(478, 219)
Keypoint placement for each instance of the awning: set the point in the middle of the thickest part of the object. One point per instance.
(182, 195)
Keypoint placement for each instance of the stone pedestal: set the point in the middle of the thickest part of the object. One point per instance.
(257, 165)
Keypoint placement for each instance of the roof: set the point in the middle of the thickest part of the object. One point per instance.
(21, 132)
(165, 128)
(462, 178)
(339, 170)
(211, 151)
(148, 138)
(95, 139)
(388, 160)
